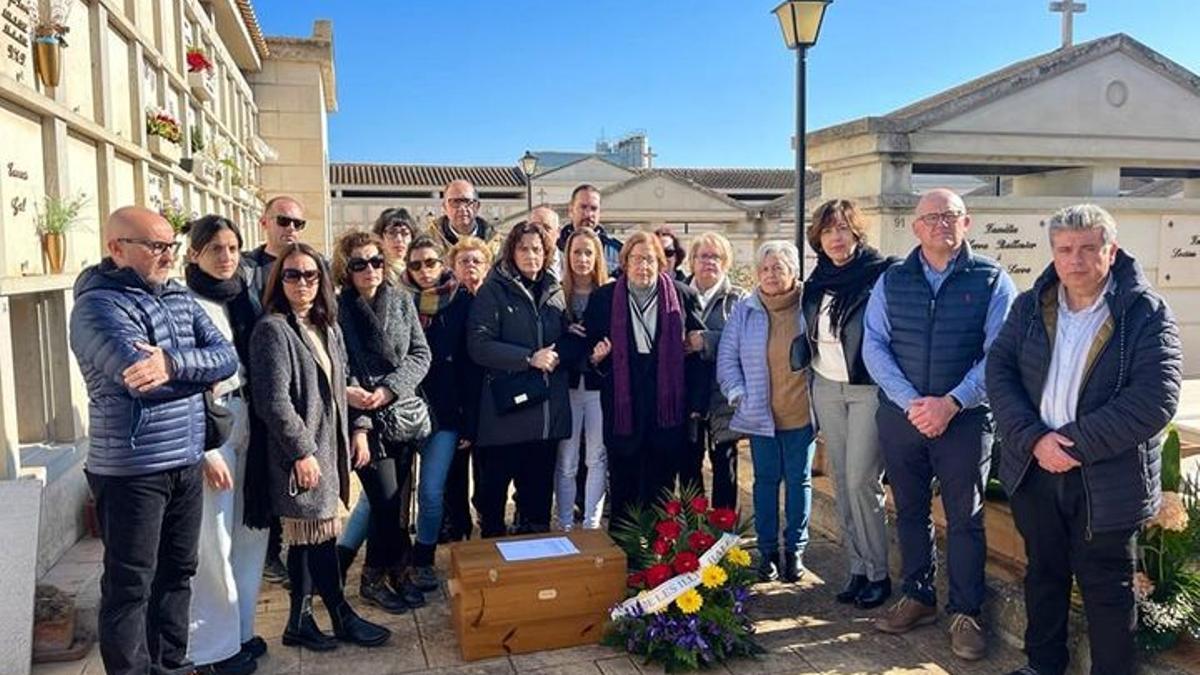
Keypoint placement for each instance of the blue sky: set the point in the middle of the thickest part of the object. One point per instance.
(479, 81)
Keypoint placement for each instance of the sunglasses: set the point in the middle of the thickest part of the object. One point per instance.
(292, 275)
(360, 264)
(428, 263)
(288, 221)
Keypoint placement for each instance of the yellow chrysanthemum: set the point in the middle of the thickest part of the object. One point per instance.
(738, 556)
(713, 576)
(690, 602)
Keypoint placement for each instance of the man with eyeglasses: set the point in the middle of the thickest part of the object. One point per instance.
(928, 324)
(282, 222)
(148, 352)
(585, 212)
(460, 205)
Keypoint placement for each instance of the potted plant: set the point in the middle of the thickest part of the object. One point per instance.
(163, 134)
(200, 73)
(59, 216)
(173, 212)
(49, 31)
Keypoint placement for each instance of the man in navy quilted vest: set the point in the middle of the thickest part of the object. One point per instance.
(1084, 377)
(928, 324)
(147, 352)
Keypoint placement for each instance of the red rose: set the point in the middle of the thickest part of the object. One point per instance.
(700, 541)
(636, 580)
(661, 546)
(669, 529)
(699, 504)
(658, 574)
(686, 562)
(673, 508)
(723, 519)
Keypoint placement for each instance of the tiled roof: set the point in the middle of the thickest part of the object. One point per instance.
(732, 180)
(424, 175)
(246, 9)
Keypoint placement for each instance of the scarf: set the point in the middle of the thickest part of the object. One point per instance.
(848, 283)
(430, 301)
(234, 294)
(366, 333)
(670, 356)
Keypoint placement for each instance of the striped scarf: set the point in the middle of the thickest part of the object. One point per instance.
(430, 301)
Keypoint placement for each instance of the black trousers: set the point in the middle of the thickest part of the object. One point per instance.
(722, 457)
(691, 459)
(531, 467)
(1051, 513)
(640, 478)
(315, 566)
(150, 526)
(386, 482)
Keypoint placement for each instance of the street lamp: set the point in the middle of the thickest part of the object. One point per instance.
(529, 167)
(800, 21)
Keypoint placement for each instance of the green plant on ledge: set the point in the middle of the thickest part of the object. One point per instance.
(173, 213)
(235, 173)
(60, 214)
(197, 140)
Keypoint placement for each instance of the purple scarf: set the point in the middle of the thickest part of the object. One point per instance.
(670, 356)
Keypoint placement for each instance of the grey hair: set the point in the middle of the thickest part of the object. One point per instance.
(784, 250)
(1084, 217)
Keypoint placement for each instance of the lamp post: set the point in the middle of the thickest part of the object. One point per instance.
(800, 21)
(529, 167)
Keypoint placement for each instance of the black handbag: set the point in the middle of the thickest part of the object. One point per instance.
(405, 419)
(218, 422)
(801, 353)
(517, 391)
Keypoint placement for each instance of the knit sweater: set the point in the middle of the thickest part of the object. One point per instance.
(789, 389)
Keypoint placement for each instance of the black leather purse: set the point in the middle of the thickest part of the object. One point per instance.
(516, 391)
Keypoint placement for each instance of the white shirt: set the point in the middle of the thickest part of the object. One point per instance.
(220, 318)
(1073, 339)
(830, 359)
(705, 297)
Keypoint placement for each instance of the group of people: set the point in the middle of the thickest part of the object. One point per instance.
(573, 369)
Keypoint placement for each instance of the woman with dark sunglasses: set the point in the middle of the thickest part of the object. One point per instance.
(298, 379)
(388, 359)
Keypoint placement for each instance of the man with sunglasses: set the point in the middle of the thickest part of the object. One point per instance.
(282, 222)
(460, 206)
(148, 352)
(928, 323)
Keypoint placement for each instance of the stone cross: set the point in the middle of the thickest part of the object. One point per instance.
(1068, 10)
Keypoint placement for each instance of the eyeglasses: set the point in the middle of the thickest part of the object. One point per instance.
(470, 260)
(643, 260)
(288, 221)
(156, 248)
(292, 275)
(459, 202)
(710, 257)
(943, 218)
(360, 264)
(397, 233)
(428, 263)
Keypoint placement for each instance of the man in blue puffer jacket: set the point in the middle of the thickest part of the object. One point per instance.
(148, 352)
(1084, 378)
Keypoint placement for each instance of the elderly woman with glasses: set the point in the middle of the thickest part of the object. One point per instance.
(771, 405)
(388, 358)
(298, 378)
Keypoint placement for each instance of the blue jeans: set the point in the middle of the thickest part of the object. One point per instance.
(354, 533)
(785, 458)
(431, 485)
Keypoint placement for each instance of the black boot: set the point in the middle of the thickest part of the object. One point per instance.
(424, 577)
(373, 588)
(853, 587)
(403, 586)
(793, 567)
(874, 594)
(302, 629)
(345, 560)
(768, 568)
(350, 627)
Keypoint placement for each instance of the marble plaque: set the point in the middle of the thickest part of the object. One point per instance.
(1018, 242)
(1179, 251)
(16, 51)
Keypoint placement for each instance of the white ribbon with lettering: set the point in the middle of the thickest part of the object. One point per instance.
(665, 593)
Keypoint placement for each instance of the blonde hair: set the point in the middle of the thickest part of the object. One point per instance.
(713, 240)
(599, 272)
(469, 243)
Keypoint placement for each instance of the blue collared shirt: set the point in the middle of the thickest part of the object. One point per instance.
(877, 340)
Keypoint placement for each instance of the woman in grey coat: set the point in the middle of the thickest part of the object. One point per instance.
(711, 257)
(388, 357)
(298, 379)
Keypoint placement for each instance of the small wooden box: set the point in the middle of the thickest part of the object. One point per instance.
(500, 607)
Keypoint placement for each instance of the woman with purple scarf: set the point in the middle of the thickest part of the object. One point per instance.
(652, 385)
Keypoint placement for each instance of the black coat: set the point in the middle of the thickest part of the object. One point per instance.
(643, 371)
(506, 325)
(852, 329)
(1129, 394)
(453, 383)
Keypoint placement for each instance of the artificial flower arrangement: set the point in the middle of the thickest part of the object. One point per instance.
(163, 124)
(1167, 584)
(198, 61)
(688, 593)
(172, 211)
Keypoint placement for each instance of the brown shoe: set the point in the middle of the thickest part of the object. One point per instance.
(966, 638)
(906, 615)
